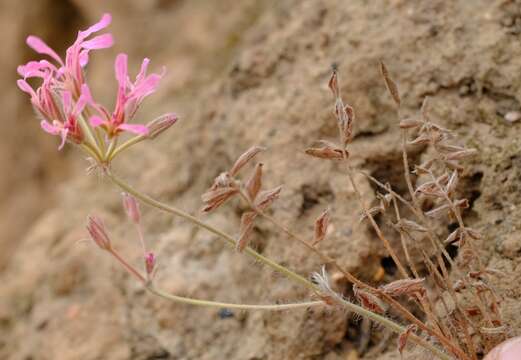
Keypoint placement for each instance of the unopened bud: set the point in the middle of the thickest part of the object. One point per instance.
(131, 207)
(97, 232)
(160, 124)
(150, 262)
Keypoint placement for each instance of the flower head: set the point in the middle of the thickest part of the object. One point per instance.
(128, 99)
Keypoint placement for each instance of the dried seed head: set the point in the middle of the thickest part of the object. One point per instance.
(327, 150)
(245, 229)
(391, 85)
(267, 197)
(244, 158)
(402, 339)
(222, 181)
(254, 183)
(321, 279)
(131, 207)
(216, 197)
(160, 125)
(321, 225)
(97, 232)
(409, 287)
(369, 301)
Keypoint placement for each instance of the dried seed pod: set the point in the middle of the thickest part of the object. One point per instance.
(321, 225)
(452, 236)
(391, 85)
(372, 211)
(420, 140)
(216, 197)
(221, 181)
(245, 229)
(437, 211)
(333, 84)
(409, 287)
(453, 165)
(369, 301)
(327, 150)
(402, 339)
(460, 155)
(453, 182)
(447, 148)
(409, 225)
(254, 183)
(244, 158)
(267, 197)
(424, 167)
(410, 123)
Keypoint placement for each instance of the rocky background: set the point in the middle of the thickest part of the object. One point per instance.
(243, 73)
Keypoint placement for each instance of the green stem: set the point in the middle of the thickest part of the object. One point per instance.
(206, 303)
(125, 145)
(397, 328)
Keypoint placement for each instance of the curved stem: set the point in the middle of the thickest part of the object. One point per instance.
(229, 239)
(125, 145)
(397, 328)
(207, 303)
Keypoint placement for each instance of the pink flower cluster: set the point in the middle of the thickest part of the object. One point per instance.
(63, 98)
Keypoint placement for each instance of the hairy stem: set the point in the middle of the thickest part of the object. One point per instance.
(206, 303)
(395, 327)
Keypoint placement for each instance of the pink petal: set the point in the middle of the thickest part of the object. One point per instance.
(96, 121)
(49, 128)
(63, 135)
(83, 58)
(134, 128)
(25, 87)
(85, 98)
(99, 42)
(121, 69)
(67, 102)
(41, 47)
(102, 24)
(143, 71)
(146, 87)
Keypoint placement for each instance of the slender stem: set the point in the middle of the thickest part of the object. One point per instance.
(277, 267)
(400, 330)
(125, 145)
(228, 238)
(206, 303)
(87, 130)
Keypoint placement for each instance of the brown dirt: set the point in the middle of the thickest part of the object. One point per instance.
(243, 74)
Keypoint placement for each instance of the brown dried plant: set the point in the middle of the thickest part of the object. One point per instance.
(460, 308)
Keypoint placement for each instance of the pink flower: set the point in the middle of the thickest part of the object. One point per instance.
(68, 74)
(67, 127)
(129, 97)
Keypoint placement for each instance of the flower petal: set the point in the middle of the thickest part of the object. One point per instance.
(49, 128)
(134, 128)
(25, 87)
(41, 47)
(63, 135)
(143, 71)
(67, 102)
(85, 98)
(83, 58)
(96, 121)
(121, 69)
(103, 23)
(99, 42)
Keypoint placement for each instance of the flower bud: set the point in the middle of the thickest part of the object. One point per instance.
(131, 207)
(150, 262)
(160, 124)
(97, 232)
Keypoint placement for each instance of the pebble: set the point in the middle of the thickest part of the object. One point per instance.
(513, 116)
